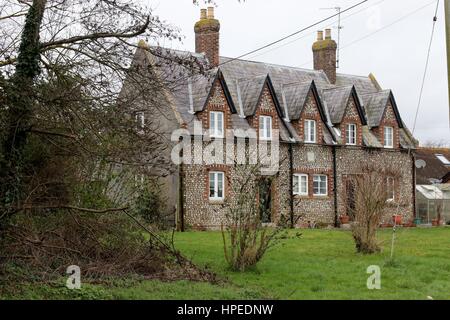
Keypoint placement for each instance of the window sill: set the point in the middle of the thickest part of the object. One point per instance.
(302, 196)
(320, 196)
(216, 201)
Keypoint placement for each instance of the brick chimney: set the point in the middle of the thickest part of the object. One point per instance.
(324, 51)
(207, 36)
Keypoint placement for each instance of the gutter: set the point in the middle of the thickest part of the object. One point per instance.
(291, 185)
(336, 218)
(180, 218)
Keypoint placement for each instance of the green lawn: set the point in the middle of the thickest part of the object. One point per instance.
(321, 264)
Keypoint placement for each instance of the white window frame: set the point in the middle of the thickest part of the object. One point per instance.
(326, 185)
(350, 134)
(299, 191)
(140, 119)
(139, 180)
(390, 182)
(215, 175)
(265, 127)
(388, 143)
(310, 131)
(216, 131)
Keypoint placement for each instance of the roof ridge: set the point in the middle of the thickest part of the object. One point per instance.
(273, 64)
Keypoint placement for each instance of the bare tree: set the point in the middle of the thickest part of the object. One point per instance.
(69, 141)
(370, 200)
(62, 66)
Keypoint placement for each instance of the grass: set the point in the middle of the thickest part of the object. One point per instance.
(321, 264)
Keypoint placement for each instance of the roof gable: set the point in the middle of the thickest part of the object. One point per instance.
(294, 97)
(221, 80)
(375, 106)
(393, 103)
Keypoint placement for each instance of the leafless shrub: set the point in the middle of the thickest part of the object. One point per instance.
(369, 198)
(245, 239)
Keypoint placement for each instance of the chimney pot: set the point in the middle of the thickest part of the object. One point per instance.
(319, 35)
(327, 34)
(202, 14)
(210, 12)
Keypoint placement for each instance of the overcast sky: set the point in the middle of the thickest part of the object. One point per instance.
(395, 54)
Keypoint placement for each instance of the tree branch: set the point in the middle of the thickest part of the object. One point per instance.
(25, 207)
(95, 36)
(64, 135)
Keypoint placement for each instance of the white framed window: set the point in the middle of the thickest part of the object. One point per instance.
(310, 131)
(350, 134)
(140, 119)
(320, 185)
(388, 137)
(139, 180)
(390, 189)
(265, 128)
(216, 185)
(216, 124)
(300, 182)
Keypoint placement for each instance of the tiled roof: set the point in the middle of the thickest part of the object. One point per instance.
(245, 80)
(337, 101)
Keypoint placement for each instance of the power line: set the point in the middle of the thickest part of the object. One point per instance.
(294, 33)
(383, 28)
(311, 33)
(426, 66)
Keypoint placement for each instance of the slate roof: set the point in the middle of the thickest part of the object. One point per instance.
(244, 81)
(294, 97)
(337, 101)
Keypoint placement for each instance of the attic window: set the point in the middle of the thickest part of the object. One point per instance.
(388, 137)
(310, 131)
(350, 134)
(443, 159)
(216, 124)
(265, 128)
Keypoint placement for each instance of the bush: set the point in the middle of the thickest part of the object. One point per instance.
(245, 240)
(150, 205)
(369, 198)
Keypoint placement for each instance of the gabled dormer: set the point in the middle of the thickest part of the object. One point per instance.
(346, 114)
(215, 109)
(259, 104)
(306, 112)
(384, 118)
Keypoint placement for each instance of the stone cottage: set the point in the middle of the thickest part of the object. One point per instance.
(327, 124)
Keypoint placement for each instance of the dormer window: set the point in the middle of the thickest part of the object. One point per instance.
(265, 128)
(388, 137)
(216, 124)
(140, 119)
(350, 134)
(310, 131)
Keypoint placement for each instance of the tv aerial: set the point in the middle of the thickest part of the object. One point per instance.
(339, 28)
